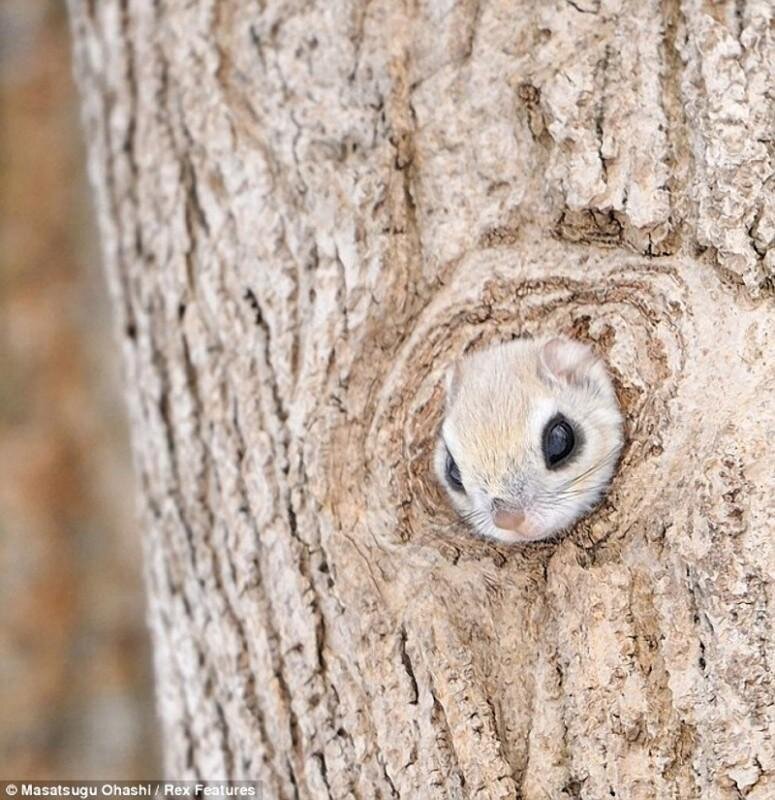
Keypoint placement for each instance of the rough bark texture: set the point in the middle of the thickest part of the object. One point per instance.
(309, 210)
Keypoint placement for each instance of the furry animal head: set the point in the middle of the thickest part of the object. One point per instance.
(530, 439)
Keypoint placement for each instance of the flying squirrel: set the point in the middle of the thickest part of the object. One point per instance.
(531, 436)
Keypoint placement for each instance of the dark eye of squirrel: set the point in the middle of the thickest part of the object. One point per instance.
(559, 441)
(453, 474)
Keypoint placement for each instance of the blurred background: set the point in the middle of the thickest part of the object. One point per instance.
(76, 693)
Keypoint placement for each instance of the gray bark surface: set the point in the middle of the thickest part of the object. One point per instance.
(309, 210)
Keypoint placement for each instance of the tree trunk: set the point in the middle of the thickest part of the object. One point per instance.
(309, 210)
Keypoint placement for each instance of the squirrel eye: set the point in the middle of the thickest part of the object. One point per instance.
(559, 441)
(452, 472)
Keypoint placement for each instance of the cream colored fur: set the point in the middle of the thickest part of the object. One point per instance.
(498, 403)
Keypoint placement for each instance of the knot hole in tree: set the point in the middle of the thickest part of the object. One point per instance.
(629, 314)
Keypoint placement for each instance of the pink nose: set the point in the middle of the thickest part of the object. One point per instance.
(508, 520)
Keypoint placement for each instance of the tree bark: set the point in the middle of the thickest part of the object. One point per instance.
(309, 210)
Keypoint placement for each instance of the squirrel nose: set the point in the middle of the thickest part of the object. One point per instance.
(508, 518)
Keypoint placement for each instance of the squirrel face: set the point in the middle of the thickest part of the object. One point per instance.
(530, 439)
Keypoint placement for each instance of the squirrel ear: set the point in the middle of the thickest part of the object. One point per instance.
(566, 360)
(452, 382)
